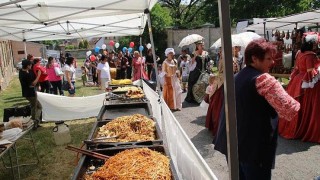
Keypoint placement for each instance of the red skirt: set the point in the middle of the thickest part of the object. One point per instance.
(214, 109)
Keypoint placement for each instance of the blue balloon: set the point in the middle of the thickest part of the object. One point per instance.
(130, 50)
(96, 49)
(124, 49)
(141, 48)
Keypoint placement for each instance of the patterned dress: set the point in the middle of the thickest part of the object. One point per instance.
(171, 88)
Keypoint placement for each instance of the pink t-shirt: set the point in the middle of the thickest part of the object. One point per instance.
(52, 74)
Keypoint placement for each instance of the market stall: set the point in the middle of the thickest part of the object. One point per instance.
(287, 33)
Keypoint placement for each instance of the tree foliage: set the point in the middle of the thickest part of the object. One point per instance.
(185, 13)
(52, 44)
(192, 13)
(160, 20)
(81, 45)
(85, 44)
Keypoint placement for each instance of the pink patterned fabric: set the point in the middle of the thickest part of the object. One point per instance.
(268, 87)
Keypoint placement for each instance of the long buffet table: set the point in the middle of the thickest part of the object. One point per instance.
(186, 162)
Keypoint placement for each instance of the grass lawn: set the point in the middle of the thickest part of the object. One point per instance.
(55, 161)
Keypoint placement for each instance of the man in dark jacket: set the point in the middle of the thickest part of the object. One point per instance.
(28, 83)
(260, 99)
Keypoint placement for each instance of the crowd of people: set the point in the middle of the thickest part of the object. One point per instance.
(263, 107)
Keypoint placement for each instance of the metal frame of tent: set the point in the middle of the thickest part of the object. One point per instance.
(23, 21)
(287, 22)
(29, 20)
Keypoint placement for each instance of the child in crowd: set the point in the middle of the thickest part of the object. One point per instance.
(211, 89)
(84, 75)
(184, 72)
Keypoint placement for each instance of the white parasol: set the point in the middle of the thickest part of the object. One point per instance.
(190, 39)
(241, 39)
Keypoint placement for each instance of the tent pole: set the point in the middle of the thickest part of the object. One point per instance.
(264, 29)
(229, 93)
(147, 12)
(25, 49)
(140, 44)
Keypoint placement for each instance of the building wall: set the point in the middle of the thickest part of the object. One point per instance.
(210, 35)
(6, 64)
(32, 48)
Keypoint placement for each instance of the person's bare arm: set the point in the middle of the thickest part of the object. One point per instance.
(37, 78)
(68, 74)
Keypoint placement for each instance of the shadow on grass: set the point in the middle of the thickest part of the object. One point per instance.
(20, 104)
(55, 161)
(15, 98)
(14, 101)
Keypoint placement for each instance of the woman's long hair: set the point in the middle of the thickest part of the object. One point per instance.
(50, 60)
(306, 46)
(69, 60)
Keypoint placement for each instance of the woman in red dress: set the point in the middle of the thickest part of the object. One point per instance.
(305, 88)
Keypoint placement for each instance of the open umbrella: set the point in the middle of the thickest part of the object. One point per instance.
(241, 39)
(190, 39)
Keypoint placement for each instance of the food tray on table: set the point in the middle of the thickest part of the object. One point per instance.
(112, 98)
(126, 89)
(112, 111)
(98, 142)
(88, 165)
(120, 82)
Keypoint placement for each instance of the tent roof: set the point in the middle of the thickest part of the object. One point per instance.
(32, 20)
(288, 22)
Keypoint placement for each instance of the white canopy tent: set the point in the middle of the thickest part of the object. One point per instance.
(287, 23)
(31, 20)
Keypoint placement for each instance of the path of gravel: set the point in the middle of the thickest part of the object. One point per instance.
(295, 159)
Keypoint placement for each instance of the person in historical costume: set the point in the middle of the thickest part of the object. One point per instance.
(216, 99)
(138, 67)
(196, 67)
(304, 86)
(171, 88)
(260, 100)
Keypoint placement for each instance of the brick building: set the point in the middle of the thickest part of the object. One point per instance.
(18, 51)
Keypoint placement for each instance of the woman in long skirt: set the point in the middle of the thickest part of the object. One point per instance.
(171, 89)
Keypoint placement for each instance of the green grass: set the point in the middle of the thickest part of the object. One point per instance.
(55, 161)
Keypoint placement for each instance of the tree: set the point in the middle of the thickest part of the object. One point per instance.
(81, 45)
(160, 20)
(52, 44)
(70, 47)
(185, 12)
(241, 9)
(85, 44)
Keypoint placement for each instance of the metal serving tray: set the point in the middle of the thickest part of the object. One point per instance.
(93, 145)
(86, 161)
(112, 111)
